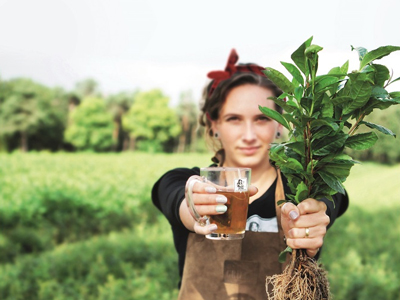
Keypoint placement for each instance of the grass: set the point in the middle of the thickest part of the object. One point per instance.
(362, 250)
(371, 185)
(116, 245)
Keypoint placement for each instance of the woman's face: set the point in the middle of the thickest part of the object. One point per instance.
(245, 132)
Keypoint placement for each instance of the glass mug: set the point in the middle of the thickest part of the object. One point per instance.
(233, 183)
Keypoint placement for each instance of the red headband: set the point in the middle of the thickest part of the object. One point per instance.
(231, 69)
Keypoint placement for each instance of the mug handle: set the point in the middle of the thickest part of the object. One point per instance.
(202, 220)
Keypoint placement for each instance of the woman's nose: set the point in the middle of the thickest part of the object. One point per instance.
(249, 133)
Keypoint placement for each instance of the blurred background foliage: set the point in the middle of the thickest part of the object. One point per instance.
(76, 218)
(36, 117)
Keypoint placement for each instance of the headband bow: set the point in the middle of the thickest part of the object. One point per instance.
(230, 69)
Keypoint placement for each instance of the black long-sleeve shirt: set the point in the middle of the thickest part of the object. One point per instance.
(169, 192)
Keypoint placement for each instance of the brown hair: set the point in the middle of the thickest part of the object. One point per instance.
(212, 104)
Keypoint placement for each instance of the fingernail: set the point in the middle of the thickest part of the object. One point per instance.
(293, 215)
(221, 208)
(221, 199)
(213, 227)
(210, 189)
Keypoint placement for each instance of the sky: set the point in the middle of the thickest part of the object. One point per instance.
(170, 44)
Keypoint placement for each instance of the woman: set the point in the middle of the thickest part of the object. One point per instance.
(241, 135)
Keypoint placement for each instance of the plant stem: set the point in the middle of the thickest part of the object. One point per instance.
(312, 88)
(308, 130)
(307, 138)
(354, 127)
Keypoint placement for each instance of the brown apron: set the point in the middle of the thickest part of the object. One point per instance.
(233, 270)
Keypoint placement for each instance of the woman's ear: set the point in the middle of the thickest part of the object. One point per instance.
(279, 130)
(214, 127)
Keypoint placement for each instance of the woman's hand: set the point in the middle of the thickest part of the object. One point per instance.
(206, 202)
(305, 225)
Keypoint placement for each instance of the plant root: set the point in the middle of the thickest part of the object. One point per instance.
(302, 279)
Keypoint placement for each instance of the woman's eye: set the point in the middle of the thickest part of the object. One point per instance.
(232, 119)
(263, 119)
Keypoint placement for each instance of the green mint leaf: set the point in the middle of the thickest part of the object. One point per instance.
(395, 94)
(294, 165)
(382, 74)
(324, 122)
(345, 68)
(332, 181)
(327, 107)
(379, 128)
(340, 169)
(326, 146)
(338, 158)
(379, 103)
(288, 106)
(294, 71)
(280, 80)
(298, 93)
(361, 141)
(335, 70)
(360, 93)
(312, 50)
(377, 54)
(361, 52)
(297, 147)
(397, 79)
(282, 255)
(324, 82)
(280, 202)
(379, 92)
(302, 192)
(273, 114)
(299, 58)
(342, 100)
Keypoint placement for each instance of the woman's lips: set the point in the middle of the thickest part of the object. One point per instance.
(249, 150)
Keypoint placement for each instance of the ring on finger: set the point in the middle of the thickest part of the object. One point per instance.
(307, 232)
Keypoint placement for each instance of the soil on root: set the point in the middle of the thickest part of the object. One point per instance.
(302, 279)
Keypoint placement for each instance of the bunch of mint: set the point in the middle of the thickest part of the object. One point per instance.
(322, 114)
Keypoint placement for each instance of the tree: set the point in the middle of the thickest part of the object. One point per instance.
(5, 90)
(31, 113)
(86, 88)
(187, 113)
(118, 105)
(151, 123)
(90, 126)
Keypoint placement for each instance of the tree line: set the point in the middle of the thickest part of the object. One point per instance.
(36, 117)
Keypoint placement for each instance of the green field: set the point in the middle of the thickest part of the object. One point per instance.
(82, 226)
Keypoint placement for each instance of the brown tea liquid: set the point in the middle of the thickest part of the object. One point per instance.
(234, 219)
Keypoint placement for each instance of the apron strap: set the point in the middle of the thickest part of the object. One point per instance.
(280, 195)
